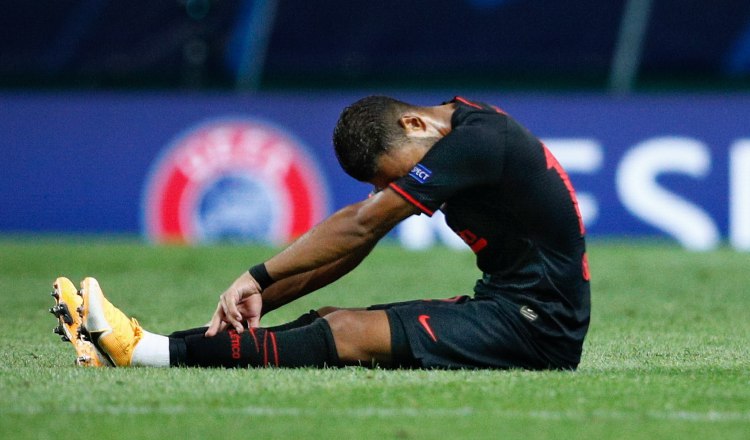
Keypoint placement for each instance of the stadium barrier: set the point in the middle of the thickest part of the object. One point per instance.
(200, 168)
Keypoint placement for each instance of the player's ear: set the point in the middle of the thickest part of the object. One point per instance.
(412, 123)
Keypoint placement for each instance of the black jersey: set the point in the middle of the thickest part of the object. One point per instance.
(508, 198)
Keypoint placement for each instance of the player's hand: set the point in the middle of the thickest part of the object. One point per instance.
(241, 302)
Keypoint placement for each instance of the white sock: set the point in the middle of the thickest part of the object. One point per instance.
(151, 351)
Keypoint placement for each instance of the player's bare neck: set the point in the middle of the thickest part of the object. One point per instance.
(440, 117)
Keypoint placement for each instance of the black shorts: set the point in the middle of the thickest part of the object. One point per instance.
(462, 332)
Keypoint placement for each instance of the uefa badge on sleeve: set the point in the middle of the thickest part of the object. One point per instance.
(420, 173)
(233, 180)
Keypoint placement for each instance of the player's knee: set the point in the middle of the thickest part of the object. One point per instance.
(360, 336)
(345, 328)
(341, 321)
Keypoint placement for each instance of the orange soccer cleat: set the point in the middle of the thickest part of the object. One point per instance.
(113, 334)
(67, 309)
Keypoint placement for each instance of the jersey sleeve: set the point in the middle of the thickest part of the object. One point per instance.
(468, 156)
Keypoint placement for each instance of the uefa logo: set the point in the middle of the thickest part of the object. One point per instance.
(233, 180)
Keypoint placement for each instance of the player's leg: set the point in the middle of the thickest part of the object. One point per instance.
(371, 336)
(123, 342)
(464, 332)
(279, 345)
(305, 319)
(308, 346)
(458, 332)
(126, 343)
(361, 336)
(345, 336)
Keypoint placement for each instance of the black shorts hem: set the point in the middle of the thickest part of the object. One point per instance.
(402, 356)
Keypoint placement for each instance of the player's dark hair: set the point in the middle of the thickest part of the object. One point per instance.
(365, 130)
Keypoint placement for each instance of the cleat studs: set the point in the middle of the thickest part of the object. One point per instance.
(83, 361)
(55, 294)
(62, 312)
(64, 338)
(58, 330)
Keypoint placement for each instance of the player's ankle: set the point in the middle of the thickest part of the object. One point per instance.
(151, 351)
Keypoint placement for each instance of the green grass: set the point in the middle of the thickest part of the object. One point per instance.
(667, 356)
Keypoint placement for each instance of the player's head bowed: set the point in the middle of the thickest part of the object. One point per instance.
(365, 130)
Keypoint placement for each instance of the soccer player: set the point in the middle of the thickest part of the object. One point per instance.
(501, 191)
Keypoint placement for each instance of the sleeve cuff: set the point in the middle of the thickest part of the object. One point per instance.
(409, 198)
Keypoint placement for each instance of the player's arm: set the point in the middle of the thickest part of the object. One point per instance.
(297, 286)
(352, 230)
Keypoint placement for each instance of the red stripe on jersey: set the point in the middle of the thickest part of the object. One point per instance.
(472, 104)
(467, 102)
(499, 110)
(553, 163)
(585, 264)
(479, 245)
(411, 199)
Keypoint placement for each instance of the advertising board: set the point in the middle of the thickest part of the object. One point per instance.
(202, 168)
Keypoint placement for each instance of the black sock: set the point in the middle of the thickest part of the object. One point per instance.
(188, 332)
(306, 319)
(308, 346)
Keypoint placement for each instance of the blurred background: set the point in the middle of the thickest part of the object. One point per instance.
(294, 44)
(209, 120)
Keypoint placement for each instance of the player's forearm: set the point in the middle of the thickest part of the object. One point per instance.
(297, 286)
(350, 230)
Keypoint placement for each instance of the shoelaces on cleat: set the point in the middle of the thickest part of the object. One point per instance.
(118, 319)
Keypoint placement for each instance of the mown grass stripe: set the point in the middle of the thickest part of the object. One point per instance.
(385, 412)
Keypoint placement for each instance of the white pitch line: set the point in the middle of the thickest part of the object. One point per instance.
(379, 412)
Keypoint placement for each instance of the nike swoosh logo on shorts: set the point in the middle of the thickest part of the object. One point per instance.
(423, 320)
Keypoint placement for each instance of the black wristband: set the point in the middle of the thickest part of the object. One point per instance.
(260, 273)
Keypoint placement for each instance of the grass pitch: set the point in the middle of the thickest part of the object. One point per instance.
(667, 356)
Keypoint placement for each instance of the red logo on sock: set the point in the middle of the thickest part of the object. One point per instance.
(423, 320)
(234, 338)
